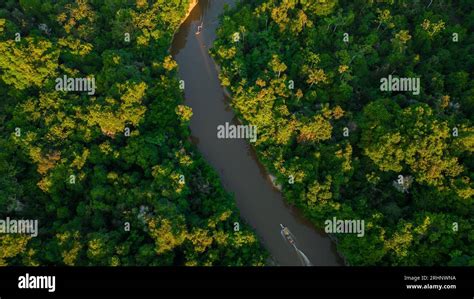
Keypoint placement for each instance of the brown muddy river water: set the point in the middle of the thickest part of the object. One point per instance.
(260, 204)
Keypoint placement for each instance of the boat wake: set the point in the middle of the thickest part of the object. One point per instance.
(290, 238)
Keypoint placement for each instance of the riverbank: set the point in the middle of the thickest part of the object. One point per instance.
(272, 178)
(259, 203)
(192, 5)
(228, 94)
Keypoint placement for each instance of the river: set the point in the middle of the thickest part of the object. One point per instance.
(260, 204)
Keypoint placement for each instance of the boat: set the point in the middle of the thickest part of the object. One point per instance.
(285, 232)
(199, 29)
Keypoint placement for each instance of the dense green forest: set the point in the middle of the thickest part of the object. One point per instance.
(308, 74)
(111, 175)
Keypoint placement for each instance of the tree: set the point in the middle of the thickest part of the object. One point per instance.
(28, 63)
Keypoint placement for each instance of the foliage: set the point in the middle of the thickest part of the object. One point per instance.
(307, 74)
(111, 177)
